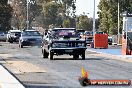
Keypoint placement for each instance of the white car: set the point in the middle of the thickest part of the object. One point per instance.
(110, 40)
(13, 36)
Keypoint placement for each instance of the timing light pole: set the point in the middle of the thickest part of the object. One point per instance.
(94, 19)
(118, 23)
(27, 16)
(31, 2)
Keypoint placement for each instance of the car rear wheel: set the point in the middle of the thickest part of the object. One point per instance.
(50, 55)
(10, 41)
(75, 56)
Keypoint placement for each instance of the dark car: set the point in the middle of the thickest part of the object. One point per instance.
(61, 41)
(88, 36)
(110, 40)
(30, 38)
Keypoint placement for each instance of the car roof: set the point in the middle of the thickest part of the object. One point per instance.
(14, 30)
(30, 30)
(62, 29)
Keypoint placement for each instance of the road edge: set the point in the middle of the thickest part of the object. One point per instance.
(110, 56)
(8, 79)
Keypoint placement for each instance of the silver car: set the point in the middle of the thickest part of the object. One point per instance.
(3, 36)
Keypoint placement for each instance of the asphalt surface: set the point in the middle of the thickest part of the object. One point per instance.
(33, 71)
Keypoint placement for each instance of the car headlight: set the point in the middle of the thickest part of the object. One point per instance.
(81, 45)
(39, 39)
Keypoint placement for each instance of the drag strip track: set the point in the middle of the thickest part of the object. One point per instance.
(62, 72)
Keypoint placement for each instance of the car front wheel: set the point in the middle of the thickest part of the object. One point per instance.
(11, 41)
(75, 56)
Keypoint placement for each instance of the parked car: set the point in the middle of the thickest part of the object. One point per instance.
(110, 40)
(88, 37)
(63, 41)
(3, 36)
(13, 36)
(80, 32)
(30, 38)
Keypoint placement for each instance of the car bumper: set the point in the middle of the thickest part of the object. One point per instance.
(14, 39)
(71, 51)
(88, 42)
(31, 43)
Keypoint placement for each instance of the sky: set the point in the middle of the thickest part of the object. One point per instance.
(86, 6)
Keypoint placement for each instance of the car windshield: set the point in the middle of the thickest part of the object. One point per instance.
(88, 33)
(16, 33)
(31, 33)
(65, 32)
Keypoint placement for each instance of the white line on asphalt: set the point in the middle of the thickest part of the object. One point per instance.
(7, 80)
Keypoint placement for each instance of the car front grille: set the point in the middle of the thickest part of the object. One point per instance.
(31, 39)
(68, 44)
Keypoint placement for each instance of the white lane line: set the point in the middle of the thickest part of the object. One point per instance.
(7, 80)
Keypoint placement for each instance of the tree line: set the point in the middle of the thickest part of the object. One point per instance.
(108, 14)
(5, 15)
(49, 13)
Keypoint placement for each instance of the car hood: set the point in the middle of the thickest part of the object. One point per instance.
(30, 37)
(70, 39)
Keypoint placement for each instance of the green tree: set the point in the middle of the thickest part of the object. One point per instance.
(50, 13)
(104, 12)
(5, 15)
(108, 14)
(57, 11)
(20, 12)
(85, 23)
(66, 23)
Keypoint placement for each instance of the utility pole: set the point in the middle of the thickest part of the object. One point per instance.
(31, 2)
(27, 16)
(118, 22)
(94, 19)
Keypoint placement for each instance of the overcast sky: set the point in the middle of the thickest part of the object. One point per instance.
(86, 6)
